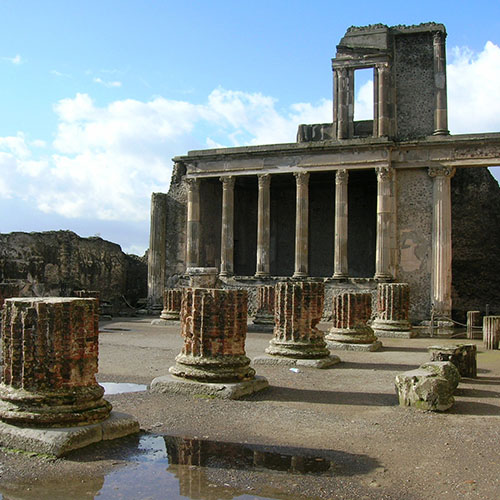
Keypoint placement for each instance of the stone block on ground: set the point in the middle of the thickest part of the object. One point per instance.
(463, 356)
(425, 390)
(444, 369)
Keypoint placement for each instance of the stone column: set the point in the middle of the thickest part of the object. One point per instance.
(491, 332)
(393, 305)
(383, 101)
(340, 265)
(342, 105)
(193, 224)
(263, 226)
(385, 223)
(157, 259)
(50, 354)
(214, 328)
(227, 234)
(302, 225)
(171, 304)
(298, 310)
(441, 240)
(350, 331)
(441, 109)
(265, 305)
(473, 323)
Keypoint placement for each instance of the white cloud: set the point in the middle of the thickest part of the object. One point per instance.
(14, 60)
(109, 84)
(474, 90)
(363, 107)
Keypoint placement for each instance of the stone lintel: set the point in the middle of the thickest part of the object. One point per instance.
(305, 363)
(62, 440)
(226, 390)
(464, 150)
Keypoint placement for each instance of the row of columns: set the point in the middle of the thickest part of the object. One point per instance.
(385, 231)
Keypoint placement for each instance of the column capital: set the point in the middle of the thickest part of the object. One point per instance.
(227, 181)
(264, 180)
(384, 173)
(341, 176)
(192, 182)
(302, 178)
(442, 171)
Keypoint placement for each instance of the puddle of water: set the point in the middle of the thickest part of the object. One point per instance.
(119, 388)
(160, 467)
(113, 329)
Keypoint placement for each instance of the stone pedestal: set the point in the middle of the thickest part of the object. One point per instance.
(50, 354)
(203, 277)
(297, 340)
(171, 304)
(350, 331)
(474, 322)
(393, 304)
(214, 328)
(265, 306)
(463, 356)
(491, 332)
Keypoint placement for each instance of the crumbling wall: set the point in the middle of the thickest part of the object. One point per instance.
(56, 263)
(475, 201)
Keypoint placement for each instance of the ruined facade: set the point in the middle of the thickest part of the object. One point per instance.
(374, 201)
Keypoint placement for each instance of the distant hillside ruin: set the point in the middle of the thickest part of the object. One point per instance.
(57, 263)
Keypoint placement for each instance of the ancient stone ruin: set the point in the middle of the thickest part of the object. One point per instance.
(49, 362)
(59, 263)
(265, 306)
(297, 339)
(393, 311)
(350, 329)
(375, 201)
(212, 360)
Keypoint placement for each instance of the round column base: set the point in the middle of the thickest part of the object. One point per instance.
(172, 315)
(361, 335)
(64, 408)
(299, 350)
(213, 369)
(392, 328)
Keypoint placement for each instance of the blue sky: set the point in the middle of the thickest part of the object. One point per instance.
(98, 96)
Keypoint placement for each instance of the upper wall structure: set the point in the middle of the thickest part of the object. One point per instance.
(409, 83)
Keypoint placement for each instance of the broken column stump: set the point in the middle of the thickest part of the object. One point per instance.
(297, 340)
(172, 298)
(203, 277)
(393, 305)
(424, 389)
(463, 356)
(212, 360)
(350, 331)
(491, 332)
(474, 322)
(264, 316)
(50, 356)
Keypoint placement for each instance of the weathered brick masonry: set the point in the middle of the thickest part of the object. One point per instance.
(50, 356)
(172, 298)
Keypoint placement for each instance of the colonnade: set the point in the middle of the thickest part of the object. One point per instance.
(386, 247)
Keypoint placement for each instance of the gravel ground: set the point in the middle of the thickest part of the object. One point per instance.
(348, 414)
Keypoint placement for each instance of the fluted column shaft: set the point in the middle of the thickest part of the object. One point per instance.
(393, 306)
(193, 224)
(385, 218)
(441, 109)
(441, 240)
(340, 265)
(302, 225)
(157, 249)
(227, 232)
(171, 303)
(491, 332)
(263, 226)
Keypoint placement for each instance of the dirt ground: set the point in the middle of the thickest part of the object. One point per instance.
(349, 412)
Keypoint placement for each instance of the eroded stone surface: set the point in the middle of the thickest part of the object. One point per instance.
(50, 354)
(214, 327)
(298, 309)
(351, 312)
(171, 304)
(393, 305)
(463, 356)
(491, 332)
(425, 390)
(444, 369)
(265, 305)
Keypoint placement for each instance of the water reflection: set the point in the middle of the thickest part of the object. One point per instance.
(160, 467)
(122, 387)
